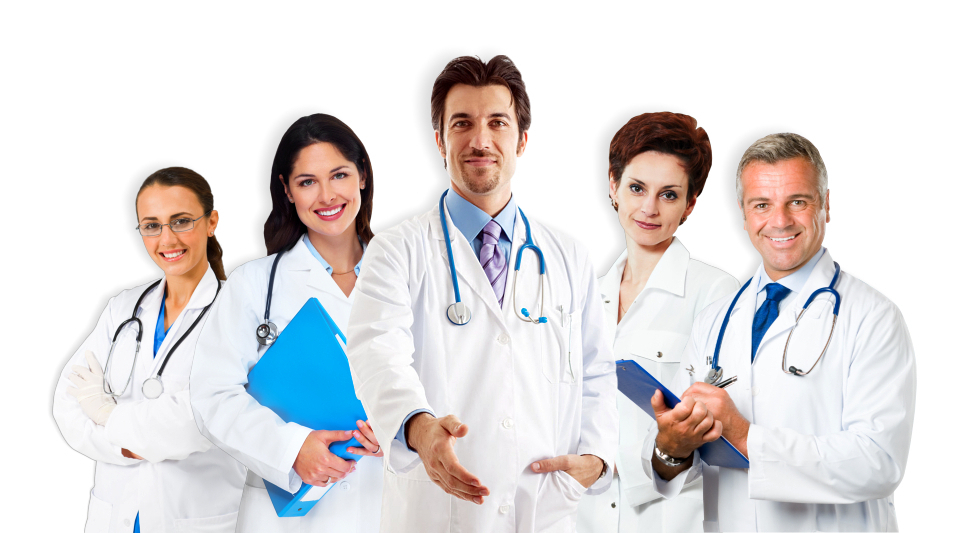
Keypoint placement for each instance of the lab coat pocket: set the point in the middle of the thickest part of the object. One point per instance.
(224, 523)
(665, 348)
(557, 502)
(561, 347)
(257, 514)
(99, 513)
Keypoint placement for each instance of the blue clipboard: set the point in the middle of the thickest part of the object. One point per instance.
(638, 385)
(287, 379)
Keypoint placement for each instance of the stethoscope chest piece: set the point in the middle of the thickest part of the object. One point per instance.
(267, 333)
(152, 388)
(713, 376)
(458, 313)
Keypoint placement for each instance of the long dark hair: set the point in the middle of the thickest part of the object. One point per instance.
(283, 227)
(184, 177)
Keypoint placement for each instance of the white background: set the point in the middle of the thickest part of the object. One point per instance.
(94, 99)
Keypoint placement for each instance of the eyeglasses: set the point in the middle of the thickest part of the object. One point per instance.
(179, 225)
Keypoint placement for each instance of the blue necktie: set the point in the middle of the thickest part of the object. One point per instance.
(767, 313)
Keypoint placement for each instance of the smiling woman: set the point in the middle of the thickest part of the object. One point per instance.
(154, 468)
(321, 184)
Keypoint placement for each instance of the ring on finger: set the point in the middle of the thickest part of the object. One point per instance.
(377, 450)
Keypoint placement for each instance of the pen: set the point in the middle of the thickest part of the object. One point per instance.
(726, 382)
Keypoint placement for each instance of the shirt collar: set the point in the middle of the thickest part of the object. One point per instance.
(326, 265)
(670, 274)
(795, 281)
(470, 219)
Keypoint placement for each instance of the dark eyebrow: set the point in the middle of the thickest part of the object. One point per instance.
(341, 167)
(644, 184)
(499, 115)
(758, 199)
(304, 175)
(172, 217)
(459, 115)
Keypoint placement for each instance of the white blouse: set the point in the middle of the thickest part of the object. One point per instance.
(653, 332)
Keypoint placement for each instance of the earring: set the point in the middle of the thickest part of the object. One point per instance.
(616, 207)
(683, 219)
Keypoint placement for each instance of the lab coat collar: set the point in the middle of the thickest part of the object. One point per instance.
(670, 274)
(300, 258)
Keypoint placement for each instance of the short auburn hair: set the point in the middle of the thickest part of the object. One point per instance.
(467, 70)
(668, 133)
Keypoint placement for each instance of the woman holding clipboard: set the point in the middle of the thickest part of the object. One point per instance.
(658, 167)
(321, 185)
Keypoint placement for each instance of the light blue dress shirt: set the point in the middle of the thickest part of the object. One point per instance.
(326, 265)
(470, 220)
(794, 282)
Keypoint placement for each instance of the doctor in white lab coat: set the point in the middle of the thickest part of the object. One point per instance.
(650, 296)
(826, 449)
(322, 187)
(501, 424)
(155, 471)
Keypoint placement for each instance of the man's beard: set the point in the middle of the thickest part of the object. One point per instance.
(480, 180)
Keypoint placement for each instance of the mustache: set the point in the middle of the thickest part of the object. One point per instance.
(481, 153)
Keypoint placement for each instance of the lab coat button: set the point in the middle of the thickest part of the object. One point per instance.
(503, 338)
(504, 509)
(344, 485)
(508, 423)
(756, 391)
(126, 523)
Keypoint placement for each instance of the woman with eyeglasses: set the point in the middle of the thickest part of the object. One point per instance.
(122, 399)
(659, 164)
(321, 185)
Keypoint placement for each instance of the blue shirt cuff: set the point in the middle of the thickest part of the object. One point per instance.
(400, 434)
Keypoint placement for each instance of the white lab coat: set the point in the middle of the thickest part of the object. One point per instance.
(828, 449)
(653, 333)
(254, 434)
(184, 483)
(526, 391)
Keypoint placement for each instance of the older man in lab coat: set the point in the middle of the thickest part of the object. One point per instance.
(827, 437)
(538, 396)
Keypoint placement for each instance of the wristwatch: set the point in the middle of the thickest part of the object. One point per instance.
(667, 459)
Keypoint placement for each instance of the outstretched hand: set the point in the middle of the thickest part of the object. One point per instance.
(433, 439)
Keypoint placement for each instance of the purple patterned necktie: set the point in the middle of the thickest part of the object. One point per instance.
(492, 260)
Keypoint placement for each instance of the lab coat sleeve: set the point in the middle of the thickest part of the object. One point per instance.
(380, 349)
(232, 419)
(682, 380)
(866, 458)
(81, 433)
(157, 430)
(599, 427)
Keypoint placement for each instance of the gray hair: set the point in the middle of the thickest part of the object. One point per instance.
(780, 147)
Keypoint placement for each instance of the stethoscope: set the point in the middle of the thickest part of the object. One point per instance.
(267, 331)
(716, 372)
(152, 387)
(458, 313)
